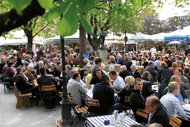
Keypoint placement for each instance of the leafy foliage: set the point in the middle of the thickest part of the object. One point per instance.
(19, 5)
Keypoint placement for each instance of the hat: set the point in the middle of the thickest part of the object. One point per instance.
(133, 66)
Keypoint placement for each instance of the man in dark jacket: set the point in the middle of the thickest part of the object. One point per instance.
(54, 71)
(151, 69)
(105, 94)
(164, 73)
(123, 72)
(135, 72)
(136, 100)
(47, 80)
(157, 113)
(39, 53)
(22, 84)
(128, 63)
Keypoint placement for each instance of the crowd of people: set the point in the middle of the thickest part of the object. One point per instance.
(132, 83)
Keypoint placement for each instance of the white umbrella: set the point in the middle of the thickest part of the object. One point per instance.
(174, 43)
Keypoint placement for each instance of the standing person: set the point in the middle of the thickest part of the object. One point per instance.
(163, 76)
(136, 99)
(118, 83)
(157, 113)
(40, 53)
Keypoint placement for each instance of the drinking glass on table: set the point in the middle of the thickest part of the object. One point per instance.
(186, 100)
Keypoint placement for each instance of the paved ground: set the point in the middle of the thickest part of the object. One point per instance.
(26, 117)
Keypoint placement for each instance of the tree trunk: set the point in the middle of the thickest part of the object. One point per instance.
(82, 45)
(29, 36)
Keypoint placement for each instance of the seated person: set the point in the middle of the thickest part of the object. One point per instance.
(182, 95)
(135, 72)
(171, 103)
(39, 65)
(53, 70)
(147, 88)
(105, 94)
(7, 77)
(136, 100)
(2, 64)
(123, 72)
(125, 93)
(97, 78)
(118, 83)
(157, 113)
(60, 78)
(75, 88)
(22, 84)
(30, 73)
(47, 80)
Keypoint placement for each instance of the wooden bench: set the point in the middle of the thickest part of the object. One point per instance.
(5, 86)
(22, 99)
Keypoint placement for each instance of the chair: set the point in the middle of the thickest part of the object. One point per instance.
(46, 88)
(22, 99)
(93, 103)
(175, 122)
(77, 110)
(142, 112)
(126, 108)
(57, 123)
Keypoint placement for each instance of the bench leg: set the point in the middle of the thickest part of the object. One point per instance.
(19, 103)
(4, 88)
(41, 103)
(26, 102)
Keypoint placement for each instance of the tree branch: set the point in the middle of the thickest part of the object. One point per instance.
(40, 31)
(12, 20)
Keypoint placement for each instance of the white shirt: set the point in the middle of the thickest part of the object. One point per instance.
(118, 82)
(152, 50)
(187, 61)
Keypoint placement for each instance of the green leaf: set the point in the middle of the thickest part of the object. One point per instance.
(20, 5)
(46, 4)
(86, 5)
(69, 22)
(57, 11)
(85, 24)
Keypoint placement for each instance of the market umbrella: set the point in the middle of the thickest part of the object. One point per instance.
(140, 37)
(174, 43)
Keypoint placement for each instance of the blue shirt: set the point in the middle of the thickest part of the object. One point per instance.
(157, 63)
